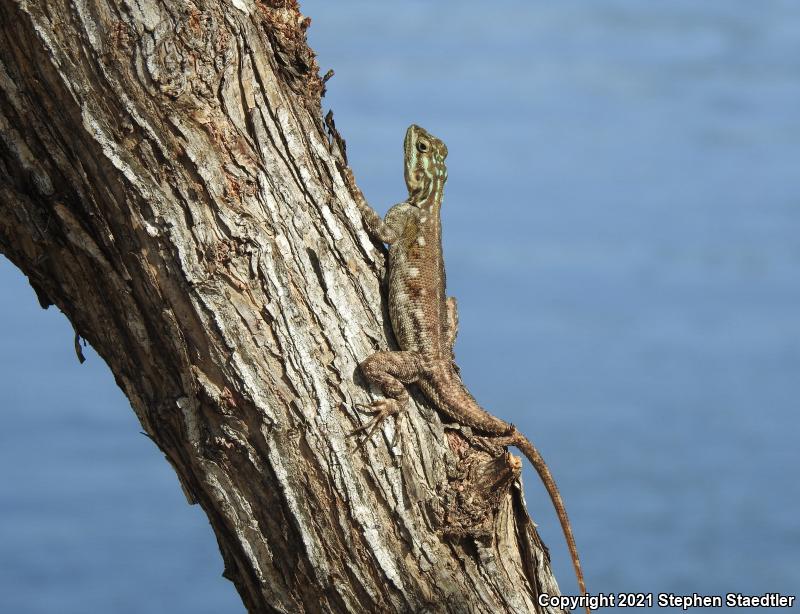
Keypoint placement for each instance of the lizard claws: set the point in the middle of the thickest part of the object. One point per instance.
(380, 410)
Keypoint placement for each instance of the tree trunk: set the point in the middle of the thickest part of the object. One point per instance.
(167, 181)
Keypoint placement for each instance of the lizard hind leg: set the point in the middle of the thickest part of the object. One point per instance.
(390, 371)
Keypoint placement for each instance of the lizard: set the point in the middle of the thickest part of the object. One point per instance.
(425, 320)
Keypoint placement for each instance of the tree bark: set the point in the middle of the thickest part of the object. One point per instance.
(167, 181)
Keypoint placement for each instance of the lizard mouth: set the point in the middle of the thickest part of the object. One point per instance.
(411, 137)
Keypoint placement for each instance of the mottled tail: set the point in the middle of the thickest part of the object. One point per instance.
(521, 442)
(443, 386)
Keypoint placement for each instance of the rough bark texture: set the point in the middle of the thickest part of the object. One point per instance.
(167, 181)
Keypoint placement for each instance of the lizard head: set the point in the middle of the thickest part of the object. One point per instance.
(424, 160)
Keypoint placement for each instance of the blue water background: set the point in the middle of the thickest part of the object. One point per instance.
(622, 231)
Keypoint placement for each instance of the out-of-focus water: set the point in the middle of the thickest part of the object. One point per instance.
(92, 518)
(622, 231)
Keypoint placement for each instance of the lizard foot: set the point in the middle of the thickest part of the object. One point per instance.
(380, 409)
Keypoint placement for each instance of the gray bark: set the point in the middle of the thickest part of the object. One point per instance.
(167, 181)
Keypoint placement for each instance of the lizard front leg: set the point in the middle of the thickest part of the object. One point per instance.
(386, 230)
(390, 371)
(451, 325)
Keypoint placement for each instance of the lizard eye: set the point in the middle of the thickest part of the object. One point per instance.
(422, 147)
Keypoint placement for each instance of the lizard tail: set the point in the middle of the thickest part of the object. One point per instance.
(532, 454)
(448, 393)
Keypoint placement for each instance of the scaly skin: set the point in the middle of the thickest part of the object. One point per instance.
(425, 322)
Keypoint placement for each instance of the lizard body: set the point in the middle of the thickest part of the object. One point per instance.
(425, 321)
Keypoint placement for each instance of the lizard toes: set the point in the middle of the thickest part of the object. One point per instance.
(381, 407)
(380, 410)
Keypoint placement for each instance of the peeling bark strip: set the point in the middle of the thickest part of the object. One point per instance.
(166, 180)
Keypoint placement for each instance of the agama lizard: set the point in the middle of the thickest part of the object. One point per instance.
(425, 321)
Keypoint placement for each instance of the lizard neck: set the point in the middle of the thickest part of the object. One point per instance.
(429, 198)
